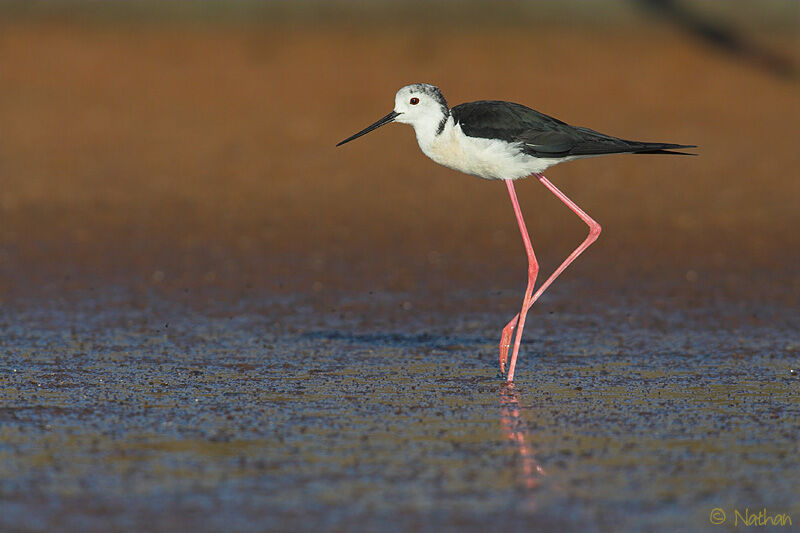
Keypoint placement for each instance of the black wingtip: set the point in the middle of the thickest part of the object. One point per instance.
(666, 149)
(665, 152)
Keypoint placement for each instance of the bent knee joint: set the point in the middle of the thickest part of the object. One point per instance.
(594, 230)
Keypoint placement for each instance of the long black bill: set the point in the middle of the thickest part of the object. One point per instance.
(385, 120)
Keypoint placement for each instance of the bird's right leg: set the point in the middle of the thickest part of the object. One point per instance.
(533, 270)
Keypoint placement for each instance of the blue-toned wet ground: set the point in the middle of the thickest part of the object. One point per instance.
(145, 412)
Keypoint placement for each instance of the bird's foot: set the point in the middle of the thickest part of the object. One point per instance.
(505, 344)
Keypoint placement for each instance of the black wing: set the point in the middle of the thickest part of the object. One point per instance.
(540, 135)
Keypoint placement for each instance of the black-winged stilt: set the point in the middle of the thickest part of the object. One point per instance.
(505, 141)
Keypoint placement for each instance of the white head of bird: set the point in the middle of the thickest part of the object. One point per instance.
(422, 106)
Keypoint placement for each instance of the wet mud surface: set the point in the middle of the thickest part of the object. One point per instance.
(212, 320)
(122, 415)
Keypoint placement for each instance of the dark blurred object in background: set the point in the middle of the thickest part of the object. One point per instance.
(722, 36)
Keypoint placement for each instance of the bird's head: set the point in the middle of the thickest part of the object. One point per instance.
(420, 104)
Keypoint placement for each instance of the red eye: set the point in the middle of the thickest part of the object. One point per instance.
(414, 101)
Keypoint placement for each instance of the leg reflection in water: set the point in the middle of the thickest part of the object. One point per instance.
(515, 429)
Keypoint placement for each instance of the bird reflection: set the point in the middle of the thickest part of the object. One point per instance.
(515, 429)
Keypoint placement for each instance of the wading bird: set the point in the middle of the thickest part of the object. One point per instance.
(498, 140)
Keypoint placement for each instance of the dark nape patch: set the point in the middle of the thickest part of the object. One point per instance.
(442, 123)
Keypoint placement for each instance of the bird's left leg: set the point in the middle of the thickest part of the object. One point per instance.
(594, 232)
(533, 270)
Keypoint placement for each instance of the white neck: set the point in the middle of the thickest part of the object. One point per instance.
(427, 129)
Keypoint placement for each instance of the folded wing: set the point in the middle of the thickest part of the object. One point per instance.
(543, 136)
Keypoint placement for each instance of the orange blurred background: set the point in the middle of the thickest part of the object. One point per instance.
(163, 149)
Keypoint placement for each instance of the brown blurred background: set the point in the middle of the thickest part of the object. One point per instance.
(185, 145)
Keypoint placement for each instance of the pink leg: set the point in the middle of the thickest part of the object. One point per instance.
(533, 270)
(594, 232)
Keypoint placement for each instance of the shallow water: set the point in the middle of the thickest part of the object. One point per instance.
(147, 413)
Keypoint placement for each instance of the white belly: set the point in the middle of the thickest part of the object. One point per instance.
(485, 158)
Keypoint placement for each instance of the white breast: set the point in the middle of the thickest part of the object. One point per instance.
(485, 158)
